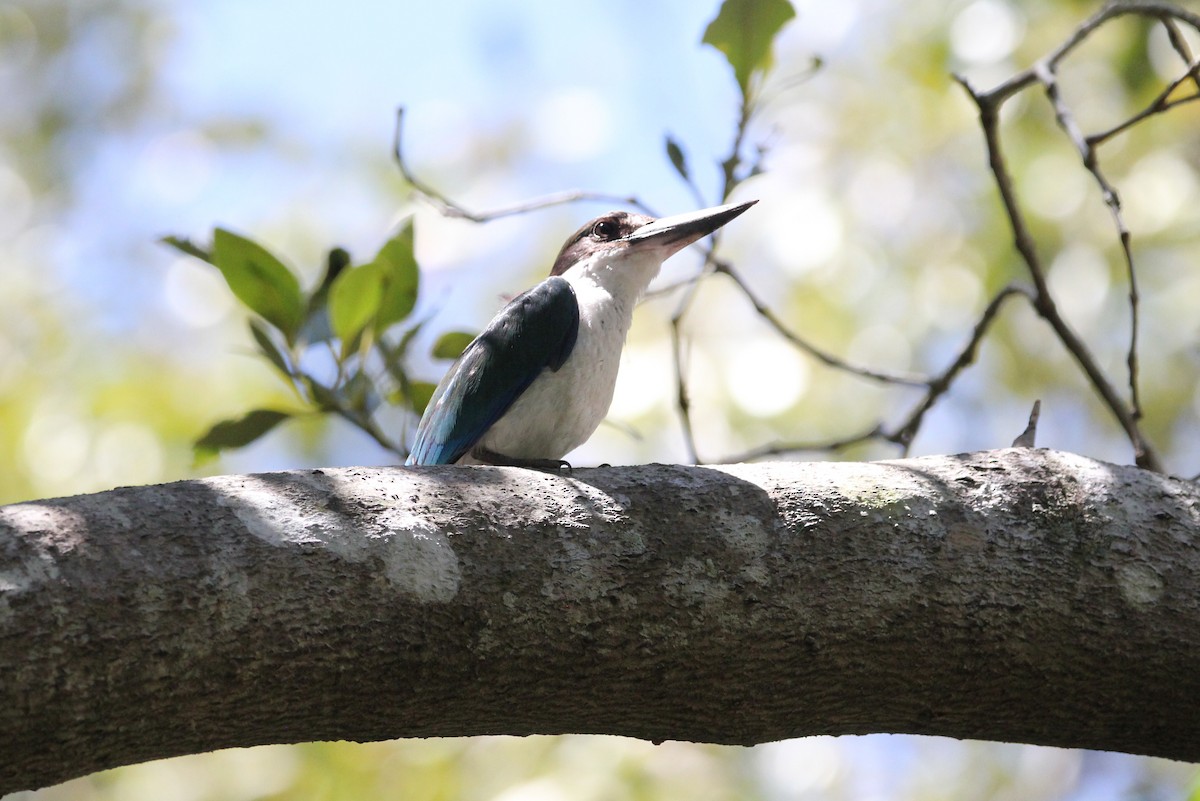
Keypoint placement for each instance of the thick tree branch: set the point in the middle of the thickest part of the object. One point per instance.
(1017, 595)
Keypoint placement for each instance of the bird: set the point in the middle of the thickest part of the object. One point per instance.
(538, 381)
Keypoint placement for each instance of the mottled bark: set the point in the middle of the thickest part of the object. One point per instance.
(1021, 595)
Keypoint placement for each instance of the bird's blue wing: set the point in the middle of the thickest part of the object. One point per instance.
(537, 330)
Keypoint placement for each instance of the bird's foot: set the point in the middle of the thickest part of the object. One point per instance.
(501, 460)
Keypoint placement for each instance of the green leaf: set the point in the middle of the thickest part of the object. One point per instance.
(238, 433)
(259, 280)
(401, 278)
(354, 300)
(268, 348)
(451, 345)
(743, 30)
(678, 160)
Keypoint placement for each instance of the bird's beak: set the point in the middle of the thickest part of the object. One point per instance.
(680, 230)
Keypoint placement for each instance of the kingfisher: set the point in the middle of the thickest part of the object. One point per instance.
(539, 379)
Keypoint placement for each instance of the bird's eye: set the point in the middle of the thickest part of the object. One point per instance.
(606, 230)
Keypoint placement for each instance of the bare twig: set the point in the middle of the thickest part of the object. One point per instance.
(936, 387)
(1175, 37)
(1086, 146)
(780, 87)
(903, 435)
(791, 448)
(729, 176)
(1083, 144)
(1147, 8)
(989, 108)
(885, 376)
(448, 208)
(681, 393)
(1161, 103)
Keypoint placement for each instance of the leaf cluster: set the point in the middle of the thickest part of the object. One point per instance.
(342, 346)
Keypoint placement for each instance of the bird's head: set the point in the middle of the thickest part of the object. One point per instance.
(620, 238)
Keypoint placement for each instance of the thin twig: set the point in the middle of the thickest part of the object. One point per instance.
(789, 448)
(448, 208)
(327, 399)
(904, 434)
(784, 85)
(681, 393)
(1175, 37)
(887, 377)
(729, 183)
(989, 104)
(1148, 8)
(725, 268)
(1159, 105)
(729, 178)
(1044, 72)
(1087, 153)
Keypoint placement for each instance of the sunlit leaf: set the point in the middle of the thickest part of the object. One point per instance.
(400, 278)
(354, 300)
(259, 280)
(743, 30)
(238, 433)
(451, 344)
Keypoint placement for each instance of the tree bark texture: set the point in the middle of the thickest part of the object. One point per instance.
(1019, 595)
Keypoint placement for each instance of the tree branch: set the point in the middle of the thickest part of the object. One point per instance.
(1017, 595)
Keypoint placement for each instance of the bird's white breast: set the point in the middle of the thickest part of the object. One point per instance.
(561, 409)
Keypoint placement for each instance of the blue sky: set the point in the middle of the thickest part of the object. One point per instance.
(333, 73)
(589, 89)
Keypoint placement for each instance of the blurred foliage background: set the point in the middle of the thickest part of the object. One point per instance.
(880, 237)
